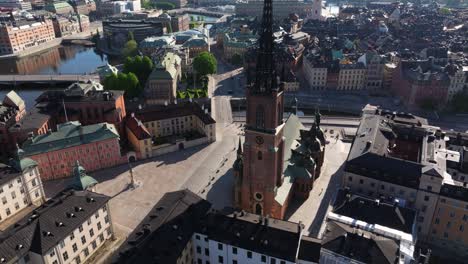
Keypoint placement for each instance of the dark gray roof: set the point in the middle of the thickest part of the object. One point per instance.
(272, 237)
(165, 231)
(373, 212)
(364, 247)
(454, 192)
(310, 249)
(369, 155)
(7, 173)
(47, 225)
(159, 112)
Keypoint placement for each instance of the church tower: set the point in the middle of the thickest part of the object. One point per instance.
(262, 166)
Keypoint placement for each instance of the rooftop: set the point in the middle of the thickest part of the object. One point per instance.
(360, 245)
(68, 135)
(374, 212)
(49, 224)
(161, 112)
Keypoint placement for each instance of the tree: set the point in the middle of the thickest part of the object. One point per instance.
(140, 66)
(130, 48)
(124, 82)
(205, 63)
(165, 5)
(131, 36)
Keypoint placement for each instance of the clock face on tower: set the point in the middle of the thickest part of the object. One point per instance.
(259, 140)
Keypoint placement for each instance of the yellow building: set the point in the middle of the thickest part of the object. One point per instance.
(162, 129)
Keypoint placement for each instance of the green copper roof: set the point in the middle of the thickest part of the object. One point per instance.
(291, 132)
(81, 181)
(68, 135)
(22, 164)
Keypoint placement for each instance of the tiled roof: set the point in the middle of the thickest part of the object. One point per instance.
(364, 247)
(7, 174)
(373, 212)
(68, 135)
(49, 224)
(138, 129)
(272, 237)
(309, 249)
(160, 112)
(165, 231)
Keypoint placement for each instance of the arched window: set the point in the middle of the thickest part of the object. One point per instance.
(260, 117)
(258, 209)
(259, 155)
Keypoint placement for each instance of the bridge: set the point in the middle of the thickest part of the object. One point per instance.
(47, 79)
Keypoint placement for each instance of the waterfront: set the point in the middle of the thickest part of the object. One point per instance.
(70, 59)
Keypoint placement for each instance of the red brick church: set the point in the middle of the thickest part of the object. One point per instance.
(279, 160)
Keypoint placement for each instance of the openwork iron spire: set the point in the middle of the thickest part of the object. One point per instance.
(266, 79)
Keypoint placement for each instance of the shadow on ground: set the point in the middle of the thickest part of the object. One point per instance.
(53, 187)
(329, 195)
(221, 193)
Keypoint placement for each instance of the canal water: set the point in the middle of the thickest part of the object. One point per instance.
(70, 59)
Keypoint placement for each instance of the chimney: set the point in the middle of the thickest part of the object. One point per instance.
(299, 227)
(267, 218)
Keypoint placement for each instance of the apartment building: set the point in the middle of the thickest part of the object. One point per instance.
(95, 146)
(195, 234)
(374, 64)
(458, 76)
(163, 80)
(400, 156)
(21, 35)
(315, 73)
(156, 130)
(352, 76)
(20, 186)
(68, 228)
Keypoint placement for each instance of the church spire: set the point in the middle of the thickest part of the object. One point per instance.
(239, 149)
(266, 79)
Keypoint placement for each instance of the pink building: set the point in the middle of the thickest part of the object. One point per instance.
(94, 146)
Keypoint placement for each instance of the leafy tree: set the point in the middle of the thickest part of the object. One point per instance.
(146, 4)
(130, 48)
(131, 36)
(165, 5)
(140, 66)
(124, 82)
(205, 63)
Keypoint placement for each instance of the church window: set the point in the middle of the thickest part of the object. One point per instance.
(259, 155)
(260, 117)
(258, 209)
